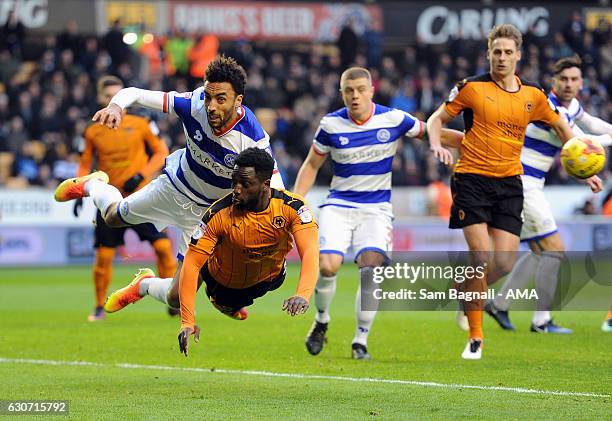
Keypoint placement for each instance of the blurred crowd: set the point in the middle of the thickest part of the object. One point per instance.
(47, 88)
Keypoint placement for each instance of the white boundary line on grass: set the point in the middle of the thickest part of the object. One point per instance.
(301, 376)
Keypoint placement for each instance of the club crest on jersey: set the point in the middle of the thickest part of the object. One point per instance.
(278, 222)
(528, 106)
(186, 95)
(383, 135)
(304, 214)
(230, 159)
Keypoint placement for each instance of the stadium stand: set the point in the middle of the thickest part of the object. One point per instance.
(47, 95)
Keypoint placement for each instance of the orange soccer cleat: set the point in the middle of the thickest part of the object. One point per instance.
(74, 188)
(129, 294)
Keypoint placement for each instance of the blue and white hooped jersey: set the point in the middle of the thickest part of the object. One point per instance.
(203, 169)
(541, 141)
(362, 155)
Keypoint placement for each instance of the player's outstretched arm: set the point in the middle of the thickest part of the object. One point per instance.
(593, 125)
(307, 242)
(111, 115)
(188, 286)
(434, 131)
(562, 130)
(308, 171)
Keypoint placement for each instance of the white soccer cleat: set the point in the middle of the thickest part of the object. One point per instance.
(473, 350)
(607, 326)
(462, 321)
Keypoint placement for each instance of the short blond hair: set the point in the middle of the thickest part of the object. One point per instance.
(353, 73)
(505, 30)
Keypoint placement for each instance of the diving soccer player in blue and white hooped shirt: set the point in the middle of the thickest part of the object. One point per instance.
(361, 140)
(539, 227)
(217, 128)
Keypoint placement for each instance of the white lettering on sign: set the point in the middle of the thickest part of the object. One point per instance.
(287, 21)
(32, 13)
(437, 24)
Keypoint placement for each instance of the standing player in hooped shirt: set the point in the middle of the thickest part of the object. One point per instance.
(486, 184)
(361, 140)
(217, 128)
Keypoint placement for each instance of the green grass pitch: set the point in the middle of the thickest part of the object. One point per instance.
(43, 317)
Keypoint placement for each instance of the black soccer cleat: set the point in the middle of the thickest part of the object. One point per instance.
(501, 317)
(316, 338)
(360, 352)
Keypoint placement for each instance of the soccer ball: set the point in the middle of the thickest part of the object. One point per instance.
(583, 156)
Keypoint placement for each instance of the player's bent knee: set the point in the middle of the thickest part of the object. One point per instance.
(329, 264)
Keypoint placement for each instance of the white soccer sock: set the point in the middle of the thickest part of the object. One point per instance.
(547, 278)
(103, 194)
(524, 269)
(365, 318)
(324, 293)
(156, 288)
(540, 317)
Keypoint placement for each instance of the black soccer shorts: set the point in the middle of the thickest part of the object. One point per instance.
(496, 201)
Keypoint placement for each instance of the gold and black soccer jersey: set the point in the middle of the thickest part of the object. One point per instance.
(246, 247)
(495, 123)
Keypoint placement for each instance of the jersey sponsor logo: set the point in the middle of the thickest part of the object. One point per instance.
(230, 159)
(206, 161)
(198, 136)
(528, 106)
(343, 140)
(304, 214)
(279, 222)
(383, 135)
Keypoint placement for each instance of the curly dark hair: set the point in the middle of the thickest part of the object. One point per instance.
(258, 159)
(226, 69)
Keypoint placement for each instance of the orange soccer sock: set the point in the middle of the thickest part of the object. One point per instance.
(609, 314)
(166, 262)
(103, 272)
(475, 321)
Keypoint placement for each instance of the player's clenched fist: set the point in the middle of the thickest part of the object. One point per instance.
(109, 116)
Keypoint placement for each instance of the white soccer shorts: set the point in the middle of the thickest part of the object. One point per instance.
(364, 229)
(161, 204)
(538, 220)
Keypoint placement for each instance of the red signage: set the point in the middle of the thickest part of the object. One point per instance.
(272, 21)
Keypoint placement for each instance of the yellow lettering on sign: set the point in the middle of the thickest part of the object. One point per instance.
(132, 13)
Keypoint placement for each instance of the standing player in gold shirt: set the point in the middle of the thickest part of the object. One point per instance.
(486, 184)
(240, 253)
(122, 154)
